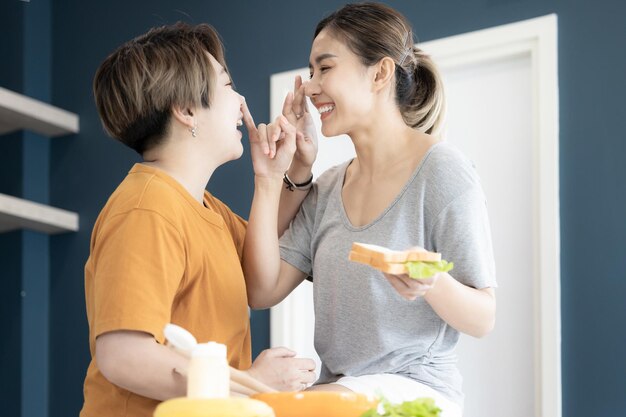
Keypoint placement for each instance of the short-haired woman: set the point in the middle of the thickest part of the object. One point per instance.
(163, 249)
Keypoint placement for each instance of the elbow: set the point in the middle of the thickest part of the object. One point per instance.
(112, 359)
(256, 304)
(261, 297)
(487, 321)
(110, 374)
(256, 301)
(485, 329)
(485, 325)
(107, 363)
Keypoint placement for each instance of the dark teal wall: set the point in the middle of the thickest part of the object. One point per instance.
(11, 322)
(10, 243)
(25, 48)
(269, 36)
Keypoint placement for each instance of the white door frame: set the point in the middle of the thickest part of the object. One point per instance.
(536, 38)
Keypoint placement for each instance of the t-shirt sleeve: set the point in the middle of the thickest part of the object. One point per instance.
(295, 243)
(462, 235)
(139, 265)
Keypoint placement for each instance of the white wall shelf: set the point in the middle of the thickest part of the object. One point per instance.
(16, 213)
(18, 112)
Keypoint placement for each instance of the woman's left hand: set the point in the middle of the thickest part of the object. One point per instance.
(411, 288)
(271, 145)
(296, 110)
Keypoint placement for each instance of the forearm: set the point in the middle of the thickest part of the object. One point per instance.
(135, 362)
(290, 201)
(467, 309)
(261, 256)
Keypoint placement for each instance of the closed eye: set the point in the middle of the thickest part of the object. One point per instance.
(322, 70)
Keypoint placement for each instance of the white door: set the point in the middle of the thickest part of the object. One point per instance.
(490, 117)
(497, 116)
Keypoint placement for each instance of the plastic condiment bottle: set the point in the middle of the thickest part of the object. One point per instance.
(209, 374)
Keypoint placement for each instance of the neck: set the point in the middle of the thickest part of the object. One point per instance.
(386, 144)
(192, 169)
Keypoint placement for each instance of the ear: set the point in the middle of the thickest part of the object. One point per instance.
(184, 115)
(385, 70)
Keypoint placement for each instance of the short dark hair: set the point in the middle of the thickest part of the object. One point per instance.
(136, 86)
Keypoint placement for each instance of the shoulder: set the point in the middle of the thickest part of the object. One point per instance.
(160, 197)
(329, 179)
(448, 163)
(446, 175)
(146, 193)
(133, 214)
(447, 170)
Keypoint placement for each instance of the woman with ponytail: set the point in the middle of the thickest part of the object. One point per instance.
(378, 333)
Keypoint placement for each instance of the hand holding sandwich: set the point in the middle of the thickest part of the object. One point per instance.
(412, 272)
(416, 272)
(409, 288)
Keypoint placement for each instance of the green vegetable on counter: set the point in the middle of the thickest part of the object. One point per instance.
(420, 407)
(423, 270)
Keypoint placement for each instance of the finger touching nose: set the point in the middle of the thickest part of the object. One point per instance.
(311, 88)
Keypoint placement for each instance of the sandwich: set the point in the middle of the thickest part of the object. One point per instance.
(416, 262)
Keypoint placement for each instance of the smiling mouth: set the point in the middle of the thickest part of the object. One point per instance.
(325, 110)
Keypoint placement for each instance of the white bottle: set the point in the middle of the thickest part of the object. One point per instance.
(209, 373)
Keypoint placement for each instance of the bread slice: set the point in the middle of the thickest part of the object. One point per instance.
(390, 268)
(388, 260)
(382, 254)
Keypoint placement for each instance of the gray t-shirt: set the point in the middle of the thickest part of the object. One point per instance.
(362, 325)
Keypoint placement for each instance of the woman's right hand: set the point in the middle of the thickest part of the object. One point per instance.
(280, 369)
(271, 145)
(410, 288)
(296, 110)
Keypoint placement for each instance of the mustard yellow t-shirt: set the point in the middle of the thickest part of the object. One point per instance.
(158, 256)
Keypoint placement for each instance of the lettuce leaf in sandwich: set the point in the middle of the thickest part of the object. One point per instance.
(420, 407)
(417, 262)
(423, 270)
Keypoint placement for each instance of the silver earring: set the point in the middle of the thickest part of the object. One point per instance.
(193, 131)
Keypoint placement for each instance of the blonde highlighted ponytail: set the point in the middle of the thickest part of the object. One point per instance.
(420, 93)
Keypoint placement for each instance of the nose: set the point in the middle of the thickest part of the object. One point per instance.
(311, 88)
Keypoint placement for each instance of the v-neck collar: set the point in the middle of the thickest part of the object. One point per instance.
(339, 188)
